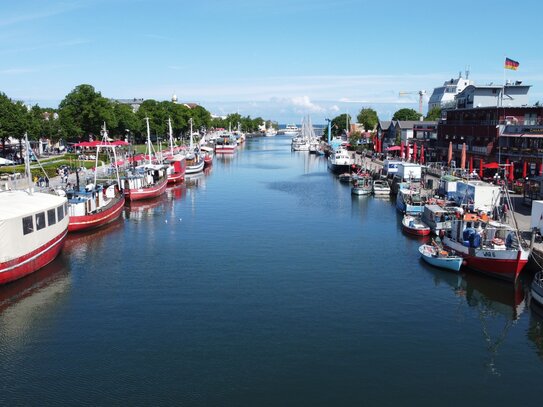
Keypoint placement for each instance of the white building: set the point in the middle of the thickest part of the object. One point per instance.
(510, 95)
(444, 96)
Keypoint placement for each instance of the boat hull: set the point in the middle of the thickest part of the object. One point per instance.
(20, 267)
(360, 191)
(415, 232)
(503, 264)
(98, 219)
(147, 193)
(176, 177)
(339, 168)
(226, 149)
(194, 168)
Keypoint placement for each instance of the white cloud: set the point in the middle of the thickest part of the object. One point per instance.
(303, 104)
(334, 108)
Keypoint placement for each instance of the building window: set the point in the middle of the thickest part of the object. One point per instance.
(28, 225)
(51, 218)
(40, 220)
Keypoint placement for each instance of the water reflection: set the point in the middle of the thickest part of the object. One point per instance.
(27, 302)
(498, 305)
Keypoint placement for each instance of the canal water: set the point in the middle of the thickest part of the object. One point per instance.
(263, 283)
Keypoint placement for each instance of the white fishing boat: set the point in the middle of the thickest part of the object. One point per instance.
(438, 257)
(362, 186)
(33, 227)
(340, 161)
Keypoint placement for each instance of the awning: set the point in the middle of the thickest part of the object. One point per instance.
(394, 148)
(493, 165)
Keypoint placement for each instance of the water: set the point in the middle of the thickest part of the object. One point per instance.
(263, 283)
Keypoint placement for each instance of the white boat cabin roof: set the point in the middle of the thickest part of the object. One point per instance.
(15, 204)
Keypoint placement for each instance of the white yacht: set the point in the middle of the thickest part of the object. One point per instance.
(291, 130)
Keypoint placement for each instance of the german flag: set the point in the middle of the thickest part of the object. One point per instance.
(510, 64)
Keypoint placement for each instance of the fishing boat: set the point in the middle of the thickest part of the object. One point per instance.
(340, 161)
(362, 186)
(537, 287)
(413, 225)
(99, 202)
(195, 161)
(226, 144)
(176, 162)
(490, 247)
(381, 187)
(438, 257)
(409, 201)
(148, 180)
(345, 178)
(207, 153)
(33, 227)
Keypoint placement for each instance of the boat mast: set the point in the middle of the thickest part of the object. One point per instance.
(171, 135)
(27, 165)
(191, 147)
(148, 139)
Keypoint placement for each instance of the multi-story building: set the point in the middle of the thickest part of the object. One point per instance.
(443, 96)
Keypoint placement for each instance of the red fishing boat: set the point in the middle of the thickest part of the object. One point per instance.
(413, 225)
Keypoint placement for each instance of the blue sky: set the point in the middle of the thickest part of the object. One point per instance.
(278, 59)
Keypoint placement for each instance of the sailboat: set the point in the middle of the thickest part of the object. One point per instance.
(98, 203)
(148, 180)
(176, 162)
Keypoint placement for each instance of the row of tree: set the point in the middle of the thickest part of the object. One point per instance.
(83, 112)
(369, 119)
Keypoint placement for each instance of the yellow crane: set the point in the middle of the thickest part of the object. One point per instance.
(421, 94)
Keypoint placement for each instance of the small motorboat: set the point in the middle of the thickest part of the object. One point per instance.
(413, 225)
(362, 186)
(346, 177)
(381, 187)
(438, 257)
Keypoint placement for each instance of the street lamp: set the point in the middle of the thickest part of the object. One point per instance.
(329, 129)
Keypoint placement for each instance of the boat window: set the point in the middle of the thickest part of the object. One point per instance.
(60, 212)
(28, 225)
(40, 220)
(51, 218)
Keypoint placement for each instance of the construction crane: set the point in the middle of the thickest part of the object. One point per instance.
(421, 94)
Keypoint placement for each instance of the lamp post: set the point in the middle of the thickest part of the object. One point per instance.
(329, 129)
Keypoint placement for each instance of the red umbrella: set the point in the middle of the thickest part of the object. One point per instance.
(470, 164)
(415, 152)
(481, 164)
(541, 169)
(394, 148)
(401, 150)
(463, 157)
(524, 169)
(422, 154)
(449, 156)
(511, 172)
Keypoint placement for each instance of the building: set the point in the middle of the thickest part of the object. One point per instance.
(133, 103)
(510, 95)
(444, 96)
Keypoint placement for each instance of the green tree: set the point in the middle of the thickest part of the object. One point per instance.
(406, 114)
(83, 112)
(433, 114)
(126, 120)
(368, 118)
(339, 124)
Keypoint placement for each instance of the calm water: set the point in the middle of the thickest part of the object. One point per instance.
(264, 283)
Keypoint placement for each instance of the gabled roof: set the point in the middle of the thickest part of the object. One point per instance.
(384, 124)
(406, 124)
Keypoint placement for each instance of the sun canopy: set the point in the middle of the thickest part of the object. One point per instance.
(493, 165)
(101, 143)
(394, 148)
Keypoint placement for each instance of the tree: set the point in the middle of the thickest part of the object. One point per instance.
(406, 114)
(339, 124)
(433, 114)
(368, 118)
(83, 112)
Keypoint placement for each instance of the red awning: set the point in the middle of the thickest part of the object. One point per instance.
(493, 165)
(394, 148)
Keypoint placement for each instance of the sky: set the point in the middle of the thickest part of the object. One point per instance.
(279, 59)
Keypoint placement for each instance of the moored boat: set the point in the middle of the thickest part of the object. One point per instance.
(438, 257)
(226, 144)
(490, 247)
(340, 161)
(362, 186)
(176, 162)
(414, 226)
(537, 287)
(409, 201)
(381, 187)
(145, 181)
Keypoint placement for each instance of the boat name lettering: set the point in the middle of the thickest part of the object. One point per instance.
(489, 254)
